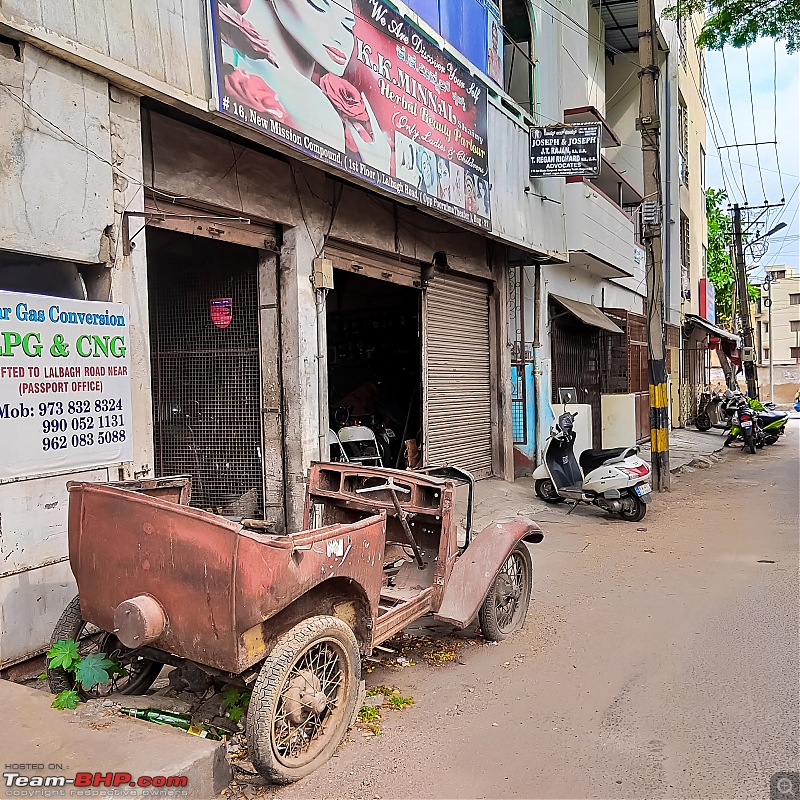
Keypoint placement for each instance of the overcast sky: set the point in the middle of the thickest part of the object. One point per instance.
(775, 106)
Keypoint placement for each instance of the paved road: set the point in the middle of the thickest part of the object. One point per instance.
(655, 663)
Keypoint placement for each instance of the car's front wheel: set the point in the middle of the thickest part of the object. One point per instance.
(506, 605)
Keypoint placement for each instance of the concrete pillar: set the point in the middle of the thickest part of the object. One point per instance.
(299, 367)
(129, 273)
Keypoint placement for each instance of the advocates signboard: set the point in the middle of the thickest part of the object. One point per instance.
(354, 84)
(65, 390)
(566, 151)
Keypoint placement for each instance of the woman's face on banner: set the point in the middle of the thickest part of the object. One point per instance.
(426, 167)
(322, 28)
(444, 172)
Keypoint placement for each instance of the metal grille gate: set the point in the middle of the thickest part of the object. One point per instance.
(576, 362)
(206, 369)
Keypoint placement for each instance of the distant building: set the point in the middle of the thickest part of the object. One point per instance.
(784, 293)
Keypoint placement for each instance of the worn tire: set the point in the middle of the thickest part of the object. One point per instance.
(270, 693)
(634, 511)
(546, 491)
(69, 626)
(494, 626)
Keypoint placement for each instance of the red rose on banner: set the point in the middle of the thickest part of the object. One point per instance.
(347, 100)
(242, 35)
(254, 92)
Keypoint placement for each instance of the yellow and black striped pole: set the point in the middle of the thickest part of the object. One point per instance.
(650, 126)
(659, 425)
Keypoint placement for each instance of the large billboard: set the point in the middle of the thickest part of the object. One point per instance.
(356, 85)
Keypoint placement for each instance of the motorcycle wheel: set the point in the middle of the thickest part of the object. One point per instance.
(703, 422)
(546, 491)
(633, 509)
(770, 439)
(749, 441)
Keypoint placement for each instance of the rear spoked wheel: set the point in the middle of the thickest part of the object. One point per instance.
(304, 699)
(139, 673)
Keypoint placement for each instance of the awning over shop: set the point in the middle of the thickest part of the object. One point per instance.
(692, 319)
(588, 314)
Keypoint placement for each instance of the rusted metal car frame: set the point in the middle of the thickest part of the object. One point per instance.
(167, 583)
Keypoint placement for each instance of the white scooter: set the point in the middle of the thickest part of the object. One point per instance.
(615, 480)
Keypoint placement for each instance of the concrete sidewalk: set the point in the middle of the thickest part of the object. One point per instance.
(687, 446)
(37, 740)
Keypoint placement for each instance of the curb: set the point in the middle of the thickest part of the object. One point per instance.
(40, 740)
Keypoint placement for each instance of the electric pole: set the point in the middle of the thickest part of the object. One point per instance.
(649, 125)
(748, 350)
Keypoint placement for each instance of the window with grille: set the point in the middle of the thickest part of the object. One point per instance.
(794, 299)
(683, 140)
(795, 325)
(682, 36)
(685, 257)
(777, 274)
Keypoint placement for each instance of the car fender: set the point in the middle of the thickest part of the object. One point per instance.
(475, 570)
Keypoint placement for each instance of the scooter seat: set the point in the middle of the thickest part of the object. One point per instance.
(592, 459)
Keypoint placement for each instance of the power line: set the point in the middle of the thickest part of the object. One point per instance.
(733, 121)
(775, 113)
(753, 116)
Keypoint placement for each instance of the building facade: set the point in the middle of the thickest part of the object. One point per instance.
(778, 310)
(276, 267)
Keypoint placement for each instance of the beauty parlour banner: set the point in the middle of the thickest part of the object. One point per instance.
(354, 84)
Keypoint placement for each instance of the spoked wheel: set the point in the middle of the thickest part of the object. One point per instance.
(506, 605)
(633, 509)
(140, 673)
(546, 491)
(304, 699)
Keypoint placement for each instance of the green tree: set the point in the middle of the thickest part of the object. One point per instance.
(740, 22)
(720, 268)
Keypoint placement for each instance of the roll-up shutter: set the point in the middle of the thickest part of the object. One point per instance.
(362, 261)
(457, 356)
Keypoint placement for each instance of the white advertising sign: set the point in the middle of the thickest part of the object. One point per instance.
(65, 391)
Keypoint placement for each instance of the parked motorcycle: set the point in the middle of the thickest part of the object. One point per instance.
(770, 421)
(745, 425)
(614, 479)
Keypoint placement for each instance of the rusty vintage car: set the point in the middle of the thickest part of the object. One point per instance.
(289, 616)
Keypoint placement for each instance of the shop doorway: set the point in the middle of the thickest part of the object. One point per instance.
(204, 334)
(375, 361)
